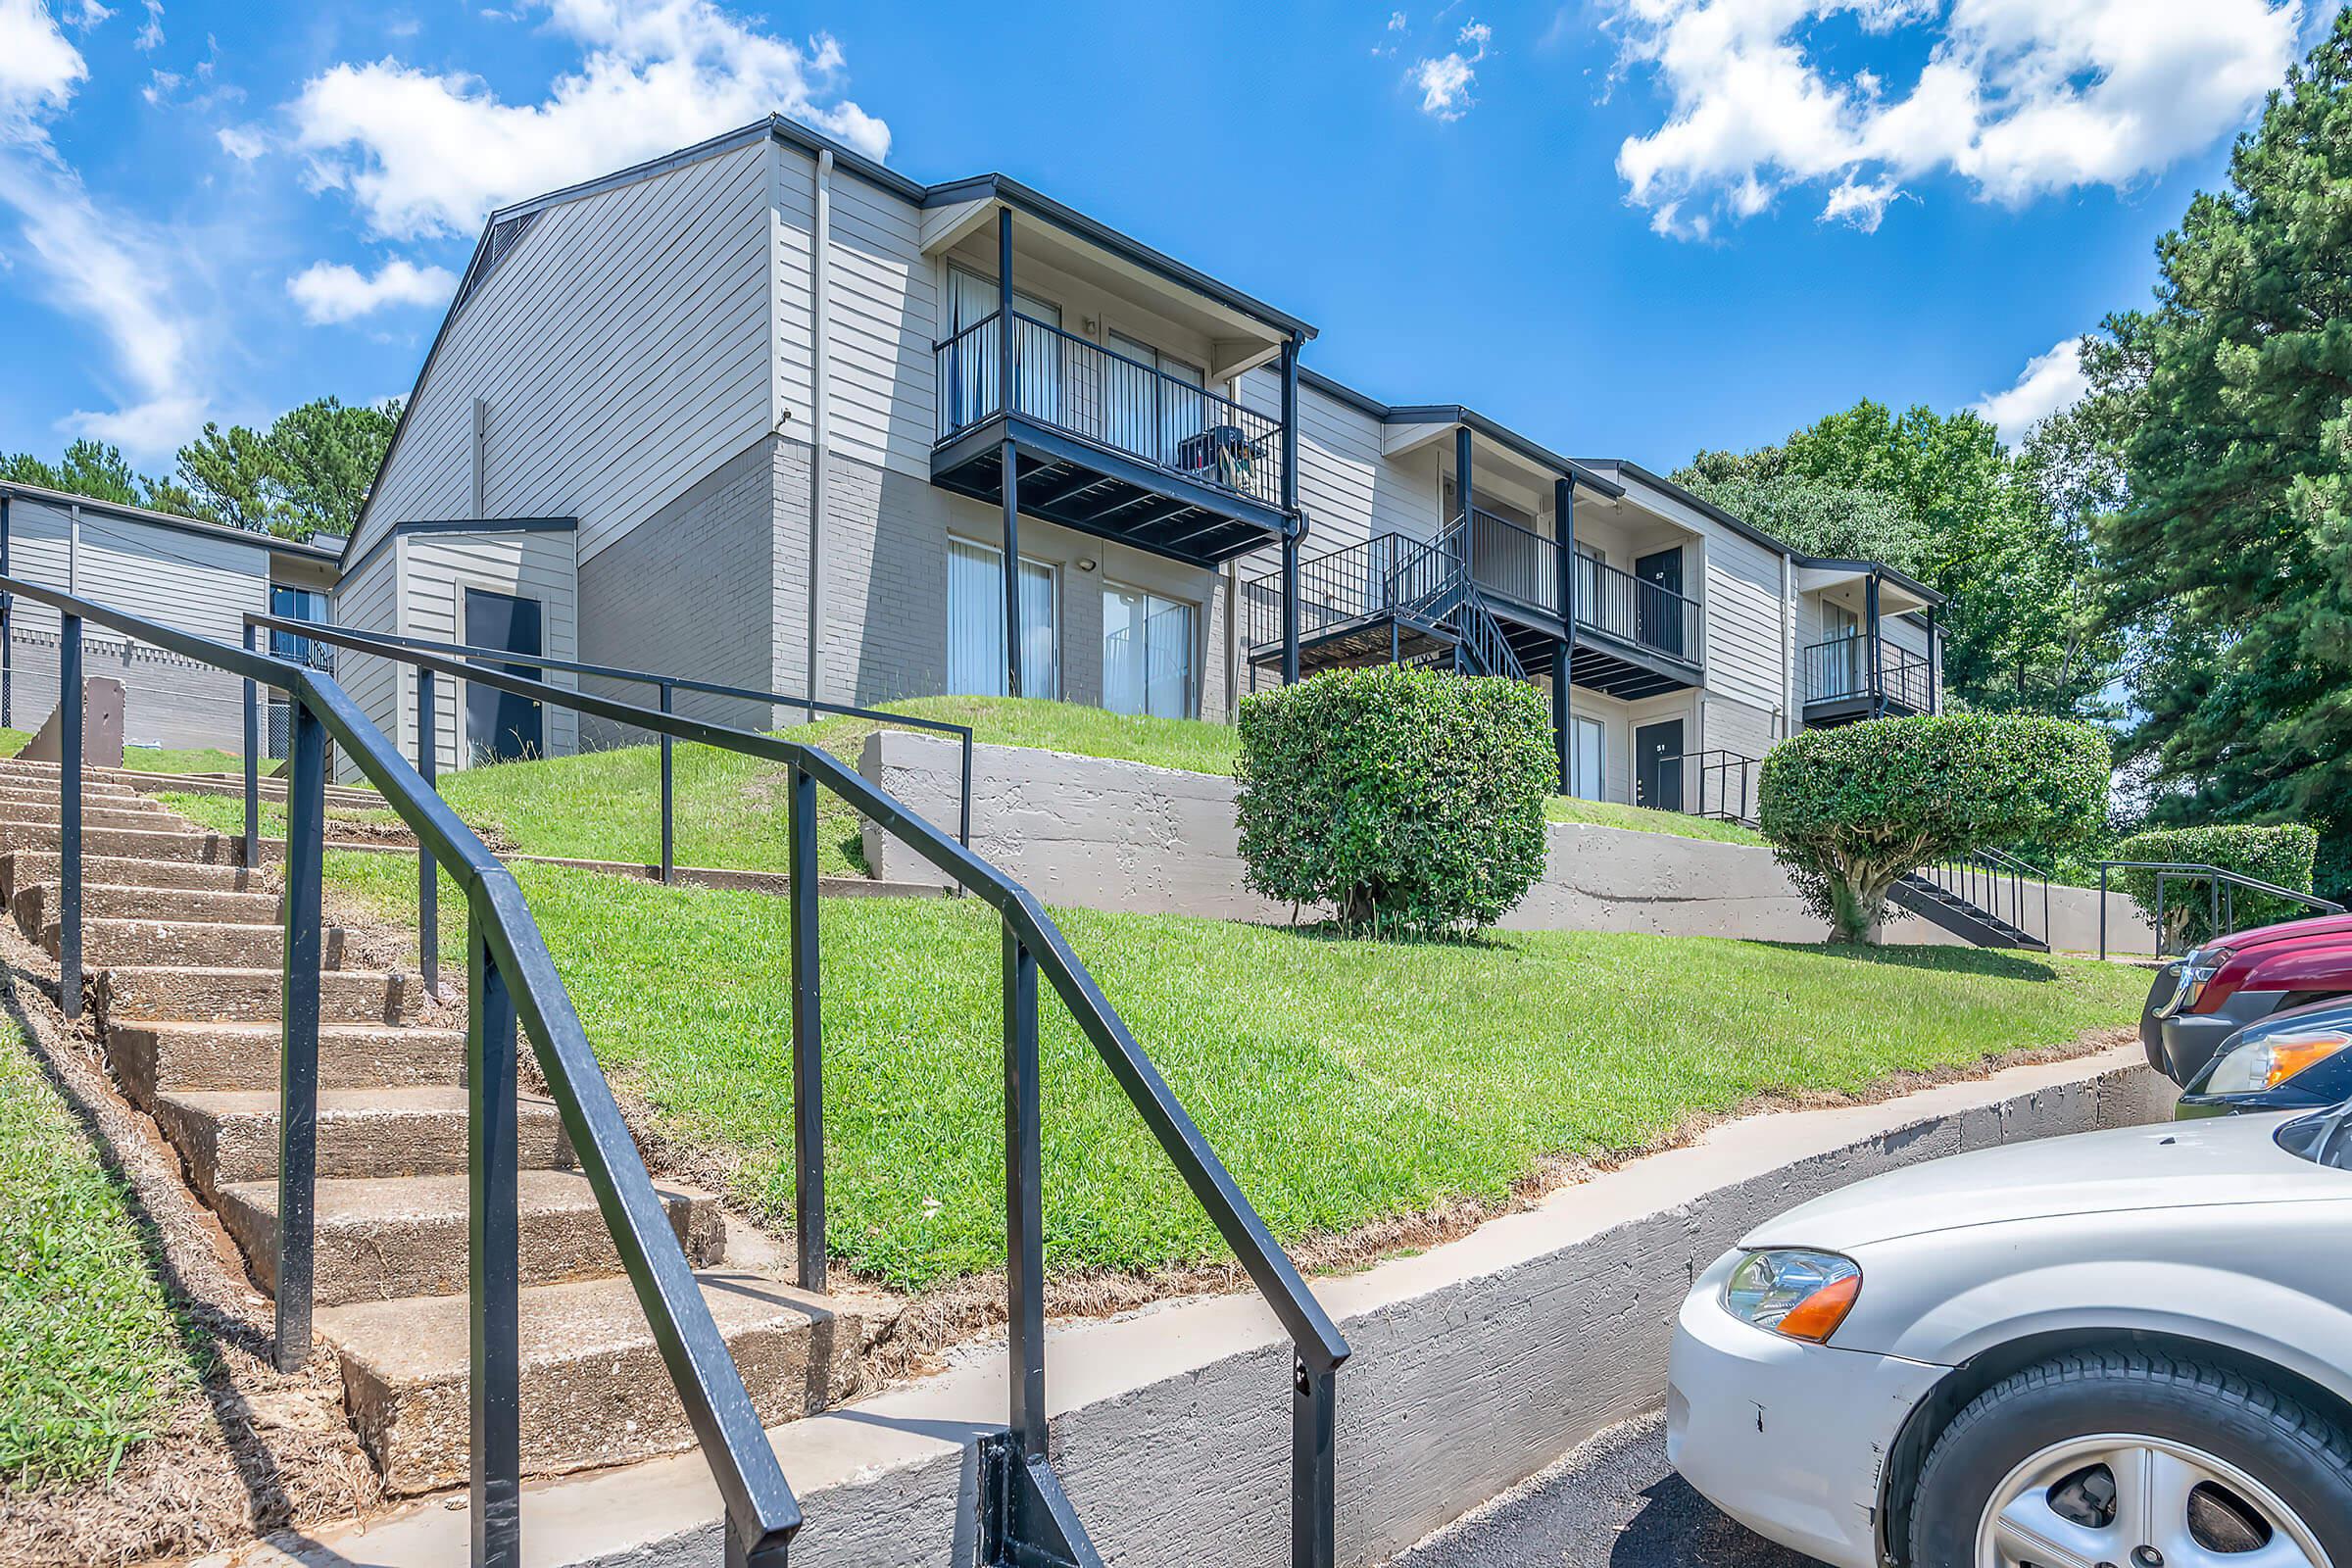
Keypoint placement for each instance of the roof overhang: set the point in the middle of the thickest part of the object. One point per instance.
(42, 495)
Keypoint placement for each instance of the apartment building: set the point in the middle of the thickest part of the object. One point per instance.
(768, 414)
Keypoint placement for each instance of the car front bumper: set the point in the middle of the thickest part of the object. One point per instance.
(2190, 1039)
(1784, 1436)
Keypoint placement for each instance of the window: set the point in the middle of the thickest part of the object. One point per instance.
(976, 624)
(1154, 406)
(1584, 759)
(296, 603)
(1036, 353)
(1147, 653)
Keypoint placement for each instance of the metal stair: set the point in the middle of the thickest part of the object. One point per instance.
(1954, 911)
(1432, 587)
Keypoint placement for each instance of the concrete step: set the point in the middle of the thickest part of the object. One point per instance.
(166, 1058)
(152, 819)
(36, 906)
(190, 944)
(594, 1388)
(230, 1136)
(44, 791)
(129, 991)
(176, 843)
(23, 868)
(377, 1240)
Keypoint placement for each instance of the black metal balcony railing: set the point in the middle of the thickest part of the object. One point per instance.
(1506, 562)
(1846, 668)
(1138, 410)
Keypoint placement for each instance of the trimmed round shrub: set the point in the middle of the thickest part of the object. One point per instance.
(2281, 854)
(1851, 811)
(1409, 801)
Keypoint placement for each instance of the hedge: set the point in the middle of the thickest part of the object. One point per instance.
(2281, 854)
(1408, 800)
(1850, 811)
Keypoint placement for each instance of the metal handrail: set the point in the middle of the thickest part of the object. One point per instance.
(1984, 878)
(1033, 942)
(1865, 664)
(515, 979)
(2221, 893)
(969, 363)
(1719, 764)
(666, 686)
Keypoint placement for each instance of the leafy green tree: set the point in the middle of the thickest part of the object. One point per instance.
(94, 468)
(1833, 520)
(307, 475)
(2231, 564)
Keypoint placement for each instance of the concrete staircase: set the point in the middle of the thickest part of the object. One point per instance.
(184, 954)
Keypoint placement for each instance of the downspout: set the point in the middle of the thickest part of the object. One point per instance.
(1786, 716)
(820, 415)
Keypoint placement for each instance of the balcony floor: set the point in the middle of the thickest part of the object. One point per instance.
(1828, 712)
(1071, 481)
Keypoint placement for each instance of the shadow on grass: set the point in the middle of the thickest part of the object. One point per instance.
(1996, 962)
(205, 1331)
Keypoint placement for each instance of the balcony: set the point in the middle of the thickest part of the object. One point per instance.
(1106, 444)
(1862, 677)
(1385, 598)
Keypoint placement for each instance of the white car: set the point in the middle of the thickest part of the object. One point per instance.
(2122, 1349)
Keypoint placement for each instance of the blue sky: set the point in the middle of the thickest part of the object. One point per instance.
(1628, 227)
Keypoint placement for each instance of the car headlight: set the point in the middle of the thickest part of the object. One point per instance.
(2196, 972)
(1803, 1295)
(2272, 1057)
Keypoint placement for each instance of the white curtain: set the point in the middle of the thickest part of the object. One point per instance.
(1147, 653)
(1036, 352)
(976, 624)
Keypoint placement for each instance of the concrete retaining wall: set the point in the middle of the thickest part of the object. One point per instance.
(1122, 836)
(1475, 1364)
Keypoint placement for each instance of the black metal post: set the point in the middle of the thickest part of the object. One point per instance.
(69, 815)
(253, 757)
(2213, 917)
(1314, 1468)
(298, 1028)
(1464, 486)
(1013, 571)
(2160, 881)
(1870, 602)
(670, 865)
(428, 875)
(1934, 660)
(2102, 911)
(807, 1053)
(1024, 1200)
(1290, 609)
(493, 1264)
(1006, 401)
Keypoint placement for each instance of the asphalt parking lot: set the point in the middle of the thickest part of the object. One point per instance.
(1612, 1503)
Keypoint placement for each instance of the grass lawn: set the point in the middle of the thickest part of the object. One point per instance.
(731, 809)
(200, 759)
(93, 1350)
(1344, 1082)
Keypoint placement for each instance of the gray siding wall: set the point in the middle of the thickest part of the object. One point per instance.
(368, 601)
(436, 570)
(689, 592)
(623, 345)
(167, 700)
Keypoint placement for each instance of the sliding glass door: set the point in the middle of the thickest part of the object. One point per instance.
(976, 624)
(1147, 653)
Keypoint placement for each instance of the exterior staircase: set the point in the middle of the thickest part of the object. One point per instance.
(1961, 916)
(185, 950)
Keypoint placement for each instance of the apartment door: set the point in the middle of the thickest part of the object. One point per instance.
(500, 725)
(1658, 765)
(1657, 603)
(1586, 762)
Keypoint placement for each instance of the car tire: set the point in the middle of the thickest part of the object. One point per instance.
(2303, 1459)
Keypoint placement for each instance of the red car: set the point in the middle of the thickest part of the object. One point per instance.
(2201, 1000)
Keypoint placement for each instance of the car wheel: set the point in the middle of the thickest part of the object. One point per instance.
(2112, 1460)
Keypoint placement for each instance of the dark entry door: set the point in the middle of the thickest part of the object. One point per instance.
(1658, 616)
(500, 724)
(1658, 765)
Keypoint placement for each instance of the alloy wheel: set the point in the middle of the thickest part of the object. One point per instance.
(2123, 1501)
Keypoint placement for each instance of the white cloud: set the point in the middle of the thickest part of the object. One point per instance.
(330, 291)
(87, 14)
(110, 268)
(2019, 98)
(244, 143)
(38, 69)
(151, 32)
(1445, 79)
(2049, 382)
(425, 153)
